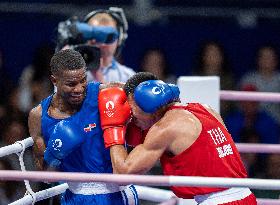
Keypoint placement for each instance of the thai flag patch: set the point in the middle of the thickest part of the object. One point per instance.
(89, 127)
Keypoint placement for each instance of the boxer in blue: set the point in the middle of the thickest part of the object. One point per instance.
(67, 135)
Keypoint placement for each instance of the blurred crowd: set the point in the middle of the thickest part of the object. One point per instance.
(248, 122)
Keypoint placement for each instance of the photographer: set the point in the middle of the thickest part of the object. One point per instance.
(102, 32)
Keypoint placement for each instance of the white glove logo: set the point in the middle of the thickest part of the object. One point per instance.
(109, 108)
(158, 89)
(57, 144)
(110, 105)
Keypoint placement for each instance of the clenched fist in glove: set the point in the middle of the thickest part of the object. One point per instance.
(114, 115)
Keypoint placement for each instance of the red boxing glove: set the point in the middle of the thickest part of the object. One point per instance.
(114, 115)
(134, 135)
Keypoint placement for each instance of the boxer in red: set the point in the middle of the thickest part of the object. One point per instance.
(189, 139)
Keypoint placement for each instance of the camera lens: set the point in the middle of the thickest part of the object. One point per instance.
(91, 55)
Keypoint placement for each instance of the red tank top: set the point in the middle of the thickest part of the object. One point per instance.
(213, 154)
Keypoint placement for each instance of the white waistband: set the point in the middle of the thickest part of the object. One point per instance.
(92, 188)
(221, 197)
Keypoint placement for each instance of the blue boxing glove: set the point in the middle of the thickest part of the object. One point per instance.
(152, 94)
(102, 34)
(66, 137)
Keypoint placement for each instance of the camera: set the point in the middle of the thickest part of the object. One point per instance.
(75, 35)
(91, 55)
(74, 32)
(122, 26)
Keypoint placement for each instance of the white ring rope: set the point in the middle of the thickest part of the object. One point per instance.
(249, 96)
(154, 194)
(172, 201)
(22, 166)
(258, 148)
(16, 147)
(268, 201)
(125, 179)
(44, 194)
(41, 195)
(166, 197)
(242, 147)
(33, 197)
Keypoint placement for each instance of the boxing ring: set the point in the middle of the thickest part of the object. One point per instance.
(164, 197)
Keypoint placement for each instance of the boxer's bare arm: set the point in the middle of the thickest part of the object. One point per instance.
(34, 125)
(144, 156)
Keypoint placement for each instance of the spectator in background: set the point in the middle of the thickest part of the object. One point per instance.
(10, 191)
(271, 171)
(11, 112)
(252, 161)
(266, 77)
(14, 111)
(250, 116)
(110, 69)
(212, 61)
(34, 82)
(15, 129)
(273, 164)
(155, 61)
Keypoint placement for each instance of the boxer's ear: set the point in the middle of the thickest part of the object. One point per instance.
(53, 80)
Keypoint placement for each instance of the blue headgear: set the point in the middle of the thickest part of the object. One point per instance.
(152, 94)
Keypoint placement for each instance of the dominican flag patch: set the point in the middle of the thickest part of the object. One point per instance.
(89, 127)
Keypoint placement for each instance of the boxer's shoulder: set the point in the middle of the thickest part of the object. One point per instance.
(36, 112)
(179, 120)
(34, 121)
(174, 116)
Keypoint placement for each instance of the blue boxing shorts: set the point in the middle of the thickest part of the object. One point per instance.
(97, 193)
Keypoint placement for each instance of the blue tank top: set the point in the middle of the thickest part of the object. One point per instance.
(91, 156)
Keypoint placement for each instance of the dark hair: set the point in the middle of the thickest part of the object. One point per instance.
(226, 69)
(136, 79)
(68, 59)
(160, 51)
(268, 46)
